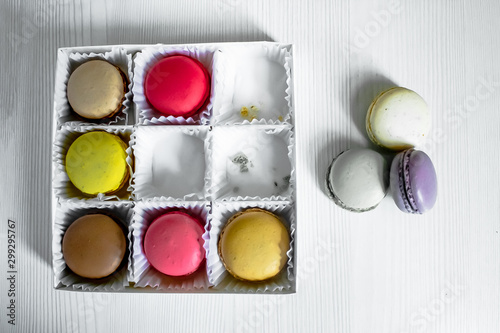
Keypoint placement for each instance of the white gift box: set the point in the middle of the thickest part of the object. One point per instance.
(237, 152)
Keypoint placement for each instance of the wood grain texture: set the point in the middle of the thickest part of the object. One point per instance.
(381, 271)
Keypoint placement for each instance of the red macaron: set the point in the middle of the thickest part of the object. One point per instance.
(177, 86)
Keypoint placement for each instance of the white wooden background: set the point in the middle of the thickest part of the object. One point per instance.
(381, 271)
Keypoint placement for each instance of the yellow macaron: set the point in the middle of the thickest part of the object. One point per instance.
(96, 163)
(253, 245)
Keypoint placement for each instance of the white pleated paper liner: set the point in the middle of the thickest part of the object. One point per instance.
(68, 63)
(66, 214)
(145, 275)
(146, 59)
(217, 273)
(171, 163)
(252, 163)
(64, 189)
(253, 85)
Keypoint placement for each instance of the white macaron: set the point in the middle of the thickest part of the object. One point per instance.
(357, 179)
(398, 119)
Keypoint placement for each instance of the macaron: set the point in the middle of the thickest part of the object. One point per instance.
(253, 245)
(96, 162)
(357, 179)
(177, 86)
(413, 181)
(94, 246)
(96, 89)
(173, 244)
(398, 119)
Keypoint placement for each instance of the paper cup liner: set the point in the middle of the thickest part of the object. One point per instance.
(146, 59)
(67, 63)
(253, 163)
(65, 215)
(253, 85)
(143, 274)
(64, 189)
(172, 163)
(217, 273)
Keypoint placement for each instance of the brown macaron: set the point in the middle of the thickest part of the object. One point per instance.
(96, 89)
(94, 246)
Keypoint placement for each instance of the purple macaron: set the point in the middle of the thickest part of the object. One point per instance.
(413, 181)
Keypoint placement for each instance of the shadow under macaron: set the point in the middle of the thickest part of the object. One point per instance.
(363, 92)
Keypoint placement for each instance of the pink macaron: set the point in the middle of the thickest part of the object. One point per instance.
(173, 244)
(177, 86)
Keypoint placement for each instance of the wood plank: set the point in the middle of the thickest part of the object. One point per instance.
(383, 271)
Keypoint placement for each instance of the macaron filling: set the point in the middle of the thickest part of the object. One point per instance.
(404, 182)
(369, 129)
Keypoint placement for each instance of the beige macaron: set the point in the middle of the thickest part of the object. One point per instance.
(96, 89)
(398, 119)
